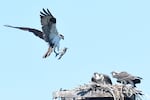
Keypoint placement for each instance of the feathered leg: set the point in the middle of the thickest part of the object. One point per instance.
(49, 51)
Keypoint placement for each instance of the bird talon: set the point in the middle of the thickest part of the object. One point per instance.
(56, 54)
(49, 31)
(45, 56)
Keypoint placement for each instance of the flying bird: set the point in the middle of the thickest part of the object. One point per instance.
(49, 32)
(101, 78)
(126, 78)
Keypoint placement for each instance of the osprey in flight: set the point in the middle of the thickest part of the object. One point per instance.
(126, 78)
(49, 32)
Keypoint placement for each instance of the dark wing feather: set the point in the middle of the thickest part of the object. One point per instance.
(46, 12)
(49, 12)
(34, 31)
(47, 21)
(47, 18)
(42, 14)
(107, 79)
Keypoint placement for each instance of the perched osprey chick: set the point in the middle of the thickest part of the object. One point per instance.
(101, 79)
(126, 78)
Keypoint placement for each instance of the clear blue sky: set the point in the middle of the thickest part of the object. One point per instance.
(102, 36)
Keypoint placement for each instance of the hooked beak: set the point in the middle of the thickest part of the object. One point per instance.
(63, 37)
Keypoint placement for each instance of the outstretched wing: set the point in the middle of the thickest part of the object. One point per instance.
(34, 31)
(48, 22)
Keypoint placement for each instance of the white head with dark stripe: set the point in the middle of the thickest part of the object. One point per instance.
(61, 36)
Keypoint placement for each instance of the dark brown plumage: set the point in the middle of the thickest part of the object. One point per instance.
(49, 31)
(126, 78)
(101, 78)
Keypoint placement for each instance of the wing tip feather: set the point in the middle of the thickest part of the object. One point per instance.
(9, 26)
(46, 12)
